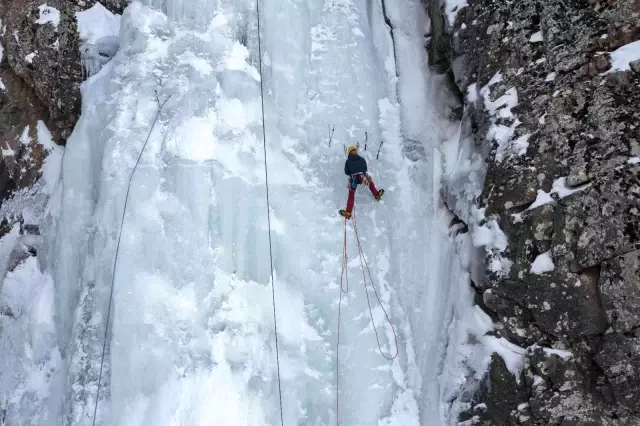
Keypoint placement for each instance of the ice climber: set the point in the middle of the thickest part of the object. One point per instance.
(356, 168)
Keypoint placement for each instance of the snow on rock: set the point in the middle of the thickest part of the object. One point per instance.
(48, 15)
(52, 166)
(560, 188)
(633, 160)
(622, 57)
(25, 139)
(472, 93)
(7, 151)
(516, 147)
(494, 241)
(452, 7)
(541, 199)
(502, 133)
(29, 58)
(502, 106)
(536, 37)
(564, 354)
(542, 263)
(512, 355)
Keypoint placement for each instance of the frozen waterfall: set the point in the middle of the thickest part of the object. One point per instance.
(191, 335)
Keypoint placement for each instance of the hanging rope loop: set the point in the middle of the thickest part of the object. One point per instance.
(344, 288)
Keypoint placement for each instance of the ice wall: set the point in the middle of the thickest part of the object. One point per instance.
(191, 334)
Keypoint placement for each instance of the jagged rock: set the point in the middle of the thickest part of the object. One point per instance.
(609, 131)
(41, 70)
(561, 303)
(582, 122)
(501, 395)
(600, 222)
(514, 321)
(558, 390)
(620, 289)
(620, 360)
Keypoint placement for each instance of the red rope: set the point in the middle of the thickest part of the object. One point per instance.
(363, 263)
(344, 278)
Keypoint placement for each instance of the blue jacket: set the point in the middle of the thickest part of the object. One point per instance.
(355, 164)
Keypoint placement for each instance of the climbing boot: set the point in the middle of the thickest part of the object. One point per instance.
(379, 194)
(345, 213)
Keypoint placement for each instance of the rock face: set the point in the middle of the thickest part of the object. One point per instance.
(41, 73)
(559, 130)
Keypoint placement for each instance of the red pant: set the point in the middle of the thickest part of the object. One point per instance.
(352, 192)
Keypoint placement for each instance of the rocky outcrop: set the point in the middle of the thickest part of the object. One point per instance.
(40, 71)
(559, 131)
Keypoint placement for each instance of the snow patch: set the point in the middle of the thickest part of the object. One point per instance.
(472, 93)
(452, 7)
(541, 199)
(6, 152)
(52, 167)
(566, 355)
(29, 58)
(542, 263)
(491, 237)
(48, 15)
(633, 160)
(508, 148)
(512, 355)
(550, 77)
(502, 106)
(624, 55)
(560, 188)
(536, 37)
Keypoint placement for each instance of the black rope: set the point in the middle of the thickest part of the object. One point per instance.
(266, 177)
(115, 260)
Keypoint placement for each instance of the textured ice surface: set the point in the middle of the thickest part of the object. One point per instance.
(191, 337)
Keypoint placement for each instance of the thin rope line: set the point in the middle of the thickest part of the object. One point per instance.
(115, 260)
(343, 275)
(266, 178)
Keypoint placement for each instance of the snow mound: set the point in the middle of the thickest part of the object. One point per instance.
(543, 263)
(96, 23)
(48, 15)
(99, 31)
(622, 57)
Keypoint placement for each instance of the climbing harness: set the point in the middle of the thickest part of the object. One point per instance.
(115, 259)
(344, 288)
(266, 179)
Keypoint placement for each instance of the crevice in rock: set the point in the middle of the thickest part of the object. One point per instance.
(391, 29)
